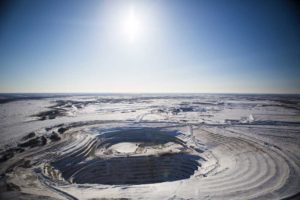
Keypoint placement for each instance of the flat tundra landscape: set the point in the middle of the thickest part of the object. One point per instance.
(188, 146)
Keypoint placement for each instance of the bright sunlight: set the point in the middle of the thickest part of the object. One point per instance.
(132, 25)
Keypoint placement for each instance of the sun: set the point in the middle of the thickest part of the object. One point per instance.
(132, 25)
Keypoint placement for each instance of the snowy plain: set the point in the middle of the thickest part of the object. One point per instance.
(158, 146)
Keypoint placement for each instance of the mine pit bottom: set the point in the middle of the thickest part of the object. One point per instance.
(137, 169)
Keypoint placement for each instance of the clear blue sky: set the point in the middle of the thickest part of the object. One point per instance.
(180, 46)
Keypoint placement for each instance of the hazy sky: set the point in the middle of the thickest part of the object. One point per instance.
(150, 46)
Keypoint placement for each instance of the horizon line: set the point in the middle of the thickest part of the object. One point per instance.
(91, 93)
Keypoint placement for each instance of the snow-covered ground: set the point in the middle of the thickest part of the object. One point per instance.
(206, 146)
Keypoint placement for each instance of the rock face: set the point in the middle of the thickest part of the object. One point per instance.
(62, 130)
(138, 170)
(54, 136)
(4, 156)
(28, 136)
(38, 141)
(149, 162)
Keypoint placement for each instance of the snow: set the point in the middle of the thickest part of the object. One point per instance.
(124, 147)
(247, 145)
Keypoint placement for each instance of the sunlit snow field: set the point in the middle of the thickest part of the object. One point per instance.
(159, 146)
